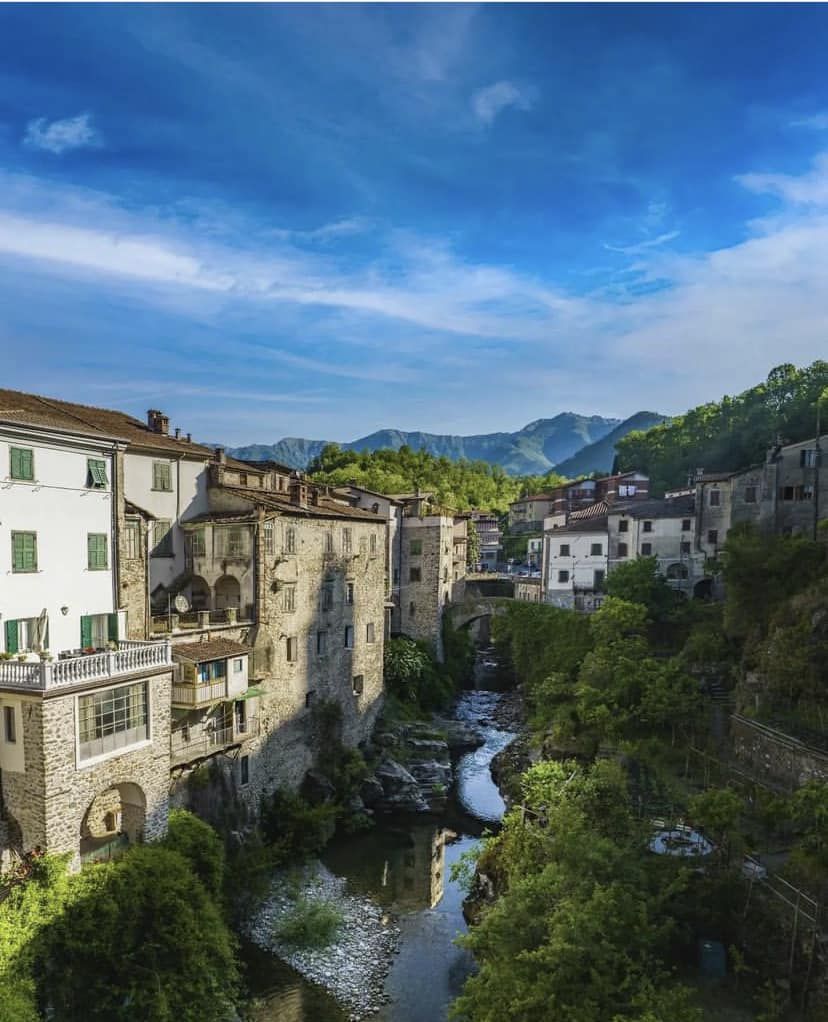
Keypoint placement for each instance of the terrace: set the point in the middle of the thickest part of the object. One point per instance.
(128, 657)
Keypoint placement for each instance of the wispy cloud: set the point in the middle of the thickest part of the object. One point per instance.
(492, 100)
(642, 246)
(809, 189)
(63, 135)
(817, 122)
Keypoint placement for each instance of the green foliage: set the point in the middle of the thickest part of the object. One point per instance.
(311, 923)
(809, 808)
(413, 676)
(729, 434)
(200, 845)
(139, 937)
(460, 485)
(472, 545)
(294, 830)
(718, 812)
(458, 653)
(639, 581)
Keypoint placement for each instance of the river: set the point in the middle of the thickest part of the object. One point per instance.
(404, 864)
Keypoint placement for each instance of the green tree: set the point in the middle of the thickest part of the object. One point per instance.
(639, 581)
(200, 845)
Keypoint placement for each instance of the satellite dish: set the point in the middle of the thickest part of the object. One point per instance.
(181, 603)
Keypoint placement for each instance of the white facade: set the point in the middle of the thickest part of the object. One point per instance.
(43, 601)
(669, 536)
(146, 474)
(575, 562)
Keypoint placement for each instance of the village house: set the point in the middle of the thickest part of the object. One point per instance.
(575, 560)
(552, 510)
(489, 540)
(84, 735)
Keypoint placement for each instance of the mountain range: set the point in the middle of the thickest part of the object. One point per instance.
(569, 443)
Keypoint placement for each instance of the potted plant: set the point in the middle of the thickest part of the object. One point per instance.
(46, 656)
(22, 657)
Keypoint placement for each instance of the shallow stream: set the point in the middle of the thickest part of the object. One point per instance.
(404, 864)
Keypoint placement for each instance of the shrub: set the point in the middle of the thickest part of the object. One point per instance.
(200, 845)
(310, 923)
(295, 829)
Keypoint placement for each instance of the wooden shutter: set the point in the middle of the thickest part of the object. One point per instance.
(112, 627)
(24, 551)
(22, 463)
(12, 642)
(85, 631)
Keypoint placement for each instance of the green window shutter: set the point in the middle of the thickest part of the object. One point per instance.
(24, 551)
(22, 463)
(86, 632)
(96, 473)
(96, 551)
(11, 637)
(161, 475)
(112, 627)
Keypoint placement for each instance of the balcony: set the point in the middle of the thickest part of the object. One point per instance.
(197, 742)
(129, 658)
(201, 620)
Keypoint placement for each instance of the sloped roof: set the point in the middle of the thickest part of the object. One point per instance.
(600, 507)
(676, 507)
(326, 507)
(209, 649)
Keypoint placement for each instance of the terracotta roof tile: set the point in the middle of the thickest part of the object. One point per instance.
(209, 649)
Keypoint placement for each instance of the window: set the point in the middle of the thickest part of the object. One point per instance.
(211, 670)
(686, 525)
(96, 551)
(242, 479)
(684, 547)
(309, 698)
(372, 544)
(97, 629)
(230, 541)
(715, 498)
(713, 536)
(290, 540)
(244, 770)
(24, 551)
(646, 549)
(415, 547)
(111, 719)
(268, 539)
(349, 592)
(162, 540)
(96, 474)
(808, 458)
(327, 596)
(349, 636)
(132, 541)
(347, 542)
(624, 525)
(358, 684)
(321, 643)
(563, 576)
(198, 545)
(27, 634)
(414, 575)
(805, 492)
(786, 493)
(598, 579)
(647, 526)
(623, 550)
(596, 549)
(369, 632)
(750, 494)
(289, 598)
(329, 543)
(161, 475)
(21, 463)
(9, 728)
(238, 665)
(564, 549)
(291, 647)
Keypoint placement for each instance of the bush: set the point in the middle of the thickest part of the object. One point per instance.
(295, 829)
(310, 923)
(200, 845)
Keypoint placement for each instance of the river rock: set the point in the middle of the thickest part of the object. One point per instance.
(371, 791)
(460, 737)
(317, 789)
(400, 790)
(431, 772)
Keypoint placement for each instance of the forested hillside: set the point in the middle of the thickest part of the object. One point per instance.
(729, 434)
(460, 485)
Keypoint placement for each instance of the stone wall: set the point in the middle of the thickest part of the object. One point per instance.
(131, 571)
(775, 757)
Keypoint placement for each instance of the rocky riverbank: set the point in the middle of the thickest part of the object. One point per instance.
(354, 965)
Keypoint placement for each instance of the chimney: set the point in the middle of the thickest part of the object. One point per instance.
(298, 493)
(177, 433)
(158, 422)
(189, 438)
(221, 457)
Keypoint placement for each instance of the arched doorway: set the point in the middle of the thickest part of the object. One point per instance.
(228, 592)
(115, 818)
(199, 594)
(703, 590)
(677, 571)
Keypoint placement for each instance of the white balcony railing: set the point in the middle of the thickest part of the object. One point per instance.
(129, 658)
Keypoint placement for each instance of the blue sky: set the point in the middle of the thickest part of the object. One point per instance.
(323, 220)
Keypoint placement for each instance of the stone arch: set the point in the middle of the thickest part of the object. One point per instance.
(199, 594)
(228, 592)
(114, 818)
(703, 590)
(677, 571)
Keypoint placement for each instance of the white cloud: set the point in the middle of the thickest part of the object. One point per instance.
(62, 136)
(488, 102)
(809, 189)
(642, 246)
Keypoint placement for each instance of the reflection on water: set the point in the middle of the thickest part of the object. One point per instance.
(405, 865)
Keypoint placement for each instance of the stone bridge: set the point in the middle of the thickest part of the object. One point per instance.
(482, 600)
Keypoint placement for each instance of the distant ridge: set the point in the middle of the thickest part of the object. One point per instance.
(534, 450)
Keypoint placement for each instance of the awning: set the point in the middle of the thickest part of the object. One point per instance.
(252, 693)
